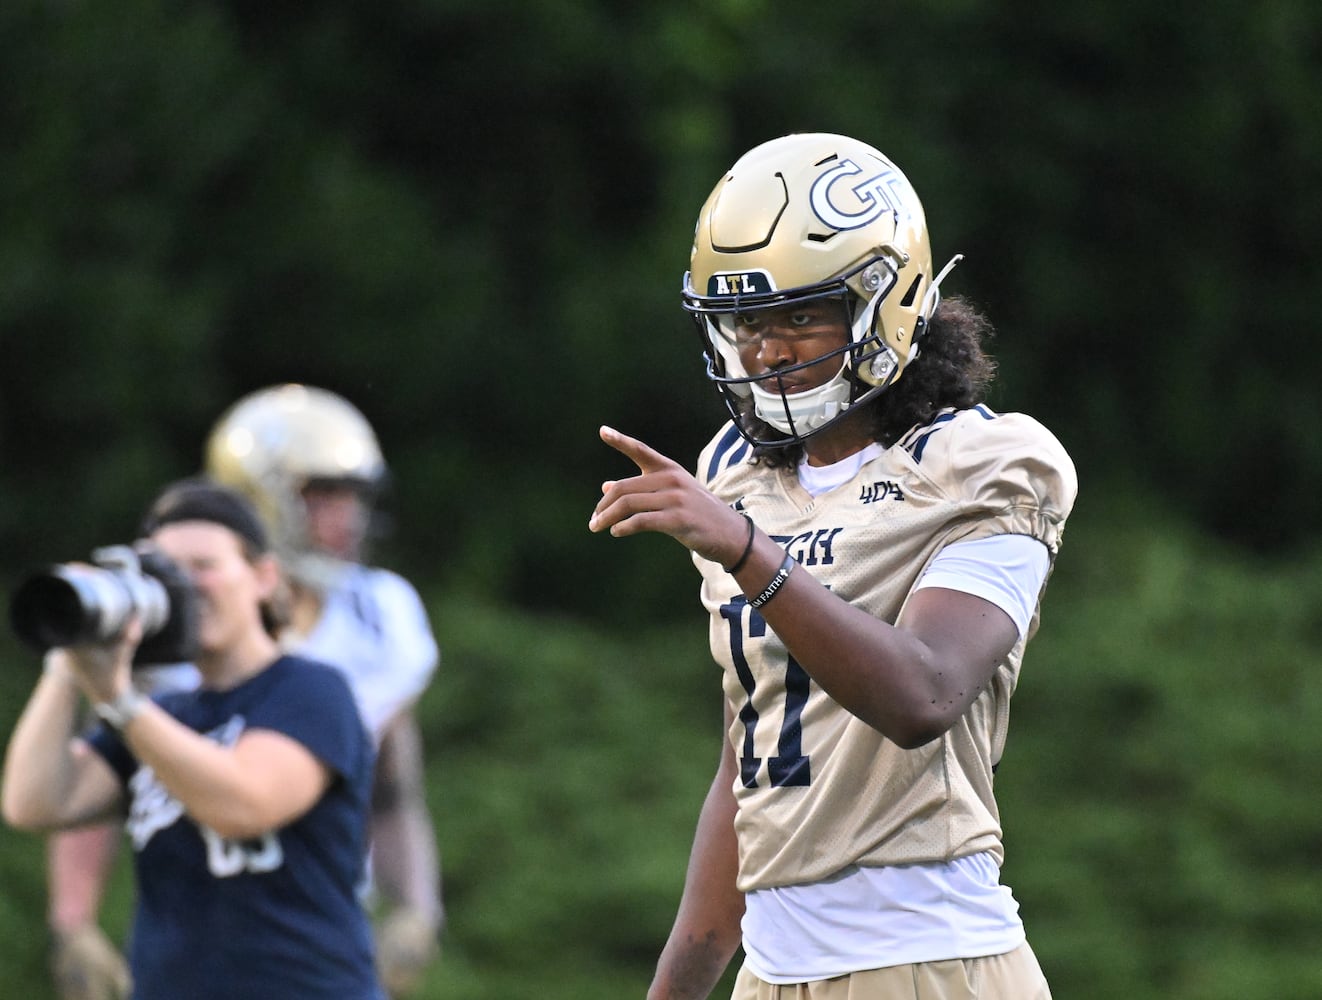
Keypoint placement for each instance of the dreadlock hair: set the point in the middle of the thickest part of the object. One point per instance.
(952, 370)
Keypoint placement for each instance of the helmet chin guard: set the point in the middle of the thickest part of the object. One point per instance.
(804, 217)
(801, 413)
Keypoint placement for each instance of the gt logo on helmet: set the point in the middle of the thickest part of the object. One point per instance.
(740, 283)
(875, 195)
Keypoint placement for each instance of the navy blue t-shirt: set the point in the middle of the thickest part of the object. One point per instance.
(274, 918)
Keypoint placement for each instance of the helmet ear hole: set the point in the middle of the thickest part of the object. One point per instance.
(912, 293)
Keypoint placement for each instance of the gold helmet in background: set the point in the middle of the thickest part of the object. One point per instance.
(807, 217)
(273, 443)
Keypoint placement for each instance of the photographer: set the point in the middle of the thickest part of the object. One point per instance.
(312, 466)
(246, 799)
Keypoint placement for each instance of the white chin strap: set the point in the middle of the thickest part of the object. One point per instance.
(807, 410)
(932, 298)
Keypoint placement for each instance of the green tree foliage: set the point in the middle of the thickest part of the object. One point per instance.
(472, 220)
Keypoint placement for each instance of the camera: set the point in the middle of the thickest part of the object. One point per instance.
(72, 604)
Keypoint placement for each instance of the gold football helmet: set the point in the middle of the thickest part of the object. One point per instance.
(272, 443)
(802, 217)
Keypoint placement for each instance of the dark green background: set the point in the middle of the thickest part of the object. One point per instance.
(472, 219)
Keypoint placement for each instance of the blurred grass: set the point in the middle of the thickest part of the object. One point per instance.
(1159, 790)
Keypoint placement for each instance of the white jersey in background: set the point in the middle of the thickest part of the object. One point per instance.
(373, 628)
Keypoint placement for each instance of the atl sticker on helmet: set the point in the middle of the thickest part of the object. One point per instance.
(872, 197)
(740, 283)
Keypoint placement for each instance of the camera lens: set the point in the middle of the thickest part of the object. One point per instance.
(70, 605)
(75, 603)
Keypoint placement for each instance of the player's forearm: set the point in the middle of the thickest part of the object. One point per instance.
(690, 967)
(406, 861)
(78, 865)
(899, 680)
(702, 942)
(707, 928)
(879, 673)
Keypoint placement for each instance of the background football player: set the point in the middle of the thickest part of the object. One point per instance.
(873, 543)
(312, 464)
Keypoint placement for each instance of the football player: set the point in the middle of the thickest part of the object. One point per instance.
(312, 464)
(873, 542)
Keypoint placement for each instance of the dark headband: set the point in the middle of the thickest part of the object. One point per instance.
(202, 500)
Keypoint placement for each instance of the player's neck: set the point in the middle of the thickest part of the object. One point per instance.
(847, 436)
(304, 610)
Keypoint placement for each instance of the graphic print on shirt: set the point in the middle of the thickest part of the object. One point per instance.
(152, 809)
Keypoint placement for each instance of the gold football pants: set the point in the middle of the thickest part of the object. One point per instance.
(1012, 976)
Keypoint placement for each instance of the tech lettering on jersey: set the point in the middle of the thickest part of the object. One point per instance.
(812, 548)
(874, 195)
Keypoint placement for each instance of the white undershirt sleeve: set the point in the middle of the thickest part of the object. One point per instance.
(1007, 570)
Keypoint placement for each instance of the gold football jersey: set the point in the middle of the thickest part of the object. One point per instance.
(819, 789)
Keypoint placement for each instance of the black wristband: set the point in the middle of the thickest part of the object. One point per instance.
(743, 558)
(776, 583)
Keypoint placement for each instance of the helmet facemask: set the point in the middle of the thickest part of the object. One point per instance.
(337, 522)
(768, 415)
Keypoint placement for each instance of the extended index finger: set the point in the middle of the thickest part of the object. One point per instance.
(647, 458)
